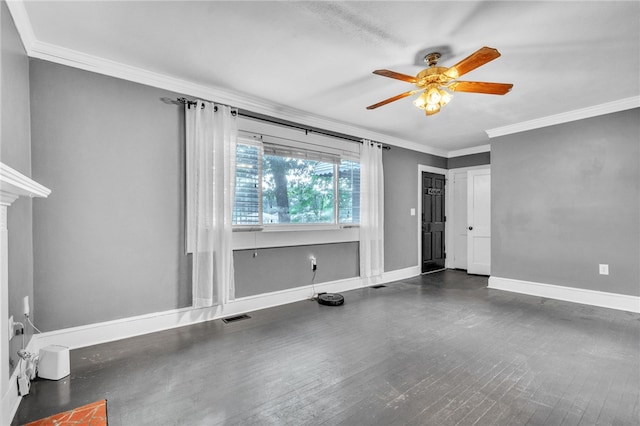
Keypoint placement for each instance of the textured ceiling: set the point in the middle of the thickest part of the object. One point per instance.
(317, 57)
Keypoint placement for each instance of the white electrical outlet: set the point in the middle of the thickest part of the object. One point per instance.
(412, 212)
(10, 327)
(314, 265)
(24, 384)
(604, 269)
(25, 305)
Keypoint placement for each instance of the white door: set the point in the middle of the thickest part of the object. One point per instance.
(460, 220)
(479, 222)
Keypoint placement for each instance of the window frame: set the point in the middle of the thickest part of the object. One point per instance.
(259, 140)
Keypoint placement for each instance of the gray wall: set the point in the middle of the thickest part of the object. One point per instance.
(15, 152)
(281, 268)
(109, 239)
(566, 198)
(479, 159)
(400, 196)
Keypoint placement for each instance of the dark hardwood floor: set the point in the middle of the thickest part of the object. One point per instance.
(439, 349)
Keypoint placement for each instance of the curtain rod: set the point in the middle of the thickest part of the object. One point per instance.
(190, 103)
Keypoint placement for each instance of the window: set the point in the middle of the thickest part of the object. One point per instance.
(349, 192)
(246, 208)
(296, 190)
(279, 185)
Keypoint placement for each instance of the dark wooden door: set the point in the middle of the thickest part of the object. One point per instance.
(433, 219)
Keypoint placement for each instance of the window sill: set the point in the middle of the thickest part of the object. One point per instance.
(287, 236)
(300, 227)
(293, 228)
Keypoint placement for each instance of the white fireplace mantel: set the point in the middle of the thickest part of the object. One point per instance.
(13, 184)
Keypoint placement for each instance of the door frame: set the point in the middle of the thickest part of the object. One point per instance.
(444, 172)
(450, 237)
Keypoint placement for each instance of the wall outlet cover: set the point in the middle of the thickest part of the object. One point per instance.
(604, 269)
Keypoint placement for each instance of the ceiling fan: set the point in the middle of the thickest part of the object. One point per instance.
(436, 82)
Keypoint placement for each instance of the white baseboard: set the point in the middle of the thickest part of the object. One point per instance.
(11, 400)
(603, 299)
(93, 334)
(401, 274)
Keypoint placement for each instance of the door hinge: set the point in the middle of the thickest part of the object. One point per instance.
(445, 218)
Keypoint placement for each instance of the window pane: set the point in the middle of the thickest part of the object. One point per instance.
(246, 209)
(297, 190)
(349, 192)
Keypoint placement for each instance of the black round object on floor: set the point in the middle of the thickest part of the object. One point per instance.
(330, 299)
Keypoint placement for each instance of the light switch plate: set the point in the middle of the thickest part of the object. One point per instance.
(604, 269)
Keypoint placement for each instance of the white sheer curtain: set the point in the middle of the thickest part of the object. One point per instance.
(211, 136)
(371, 211)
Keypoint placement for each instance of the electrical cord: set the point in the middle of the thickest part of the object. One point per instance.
(313, 285)
(32, 325)
(20, 352)
(28, 364)
(31, 360)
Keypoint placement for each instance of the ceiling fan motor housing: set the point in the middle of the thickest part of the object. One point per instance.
(431, 75)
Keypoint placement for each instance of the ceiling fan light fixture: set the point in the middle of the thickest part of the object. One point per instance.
(421, 101)
(445, 97)
(432, 99)
(433, 95)
(432, 109)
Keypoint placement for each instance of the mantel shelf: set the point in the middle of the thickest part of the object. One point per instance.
(14, 184)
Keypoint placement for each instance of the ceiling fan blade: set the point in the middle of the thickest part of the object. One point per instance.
(480, 87)
(473, 61)
(396, 75)
(395, 98)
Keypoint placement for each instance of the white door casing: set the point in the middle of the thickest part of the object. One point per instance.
(457, 211)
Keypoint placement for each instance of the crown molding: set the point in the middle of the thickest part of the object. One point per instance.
(80, 60)
(566, 117)
(23, 24)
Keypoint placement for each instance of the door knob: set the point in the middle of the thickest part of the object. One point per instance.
(471, 228)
